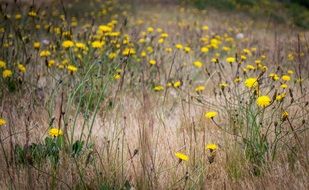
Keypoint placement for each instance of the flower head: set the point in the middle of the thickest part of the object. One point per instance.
(211, 114)
(181, 156)
(199, 88)
(2, 64)
(158, 88)
(67, 44)
(251, 82)
(198, 64)
(97, 44)
(286, 77)
(7, 73)
(230, 59)
(177, 84)
(2, 122)
(72, 69)
(263, 101)
(21, 68)
(211, 147)
(55, 132)
(152, 62)
(45, 53)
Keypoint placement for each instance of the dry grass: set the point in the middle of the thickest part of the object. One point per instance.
(132, 142)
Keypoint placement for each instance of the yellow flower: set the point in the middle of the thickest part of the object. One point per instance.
(50, 63)
(286, 78)
(97, 44)
(72, 69)
(152, 62)
(284, 115)
(204, 49)
(80, 45)
(112, 55)
(290, 57)
(187, 49)
(55, 132)
(105, 28)
(2, 64)
(198, 64)
(18, 16)
(230, 59)
(7, 73)
(211, 147)
(200, 88)
(284, 86)
(36, 45)
(274, 76)
(263, 101)
(2, 122)
(242, 57)
(237, 79)
(181, 156)
(223, 85)
(178, 46)
(150, 29)
(211, 114)
(128, 51)
(290, 72)
(280, 97)
(250, 67)
(158, 88)
(21, 68)
(45, 53)
(205, 28)
(32, 14)
(117, 76)
(67, 44)
(251, 82)
(177, 84)
(164, 35)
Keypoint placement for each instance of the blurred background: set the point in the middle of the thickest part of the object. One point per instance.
(283, 11)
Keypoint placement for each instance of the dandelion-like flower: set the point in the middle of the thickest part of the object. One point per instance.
(181, 156)
(55, 132)
(2, 64)
(251, 82)
(230, 59)
(286, 78)
(128, 51)
(280, 97)
(198, 64)
(97, 44)
(158, 88)
(45, 53)
(7, 73)
(211, 114)
(199, 88)
(284, 115)
(72, 69)
(177, 84)
(67, 44)
(211, 147)
(152, 62)
(2, 122)
(263, 101)
(21, 68)
(36, 45)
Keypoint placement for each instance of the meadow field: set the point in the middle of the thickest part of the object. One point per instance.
(154, 94)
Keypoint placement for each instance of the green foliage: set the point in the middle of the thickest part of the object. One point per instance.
(49, 150)
(296, 10)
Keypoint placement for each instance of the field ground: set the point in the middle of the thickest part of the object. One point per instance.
(140, 95)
